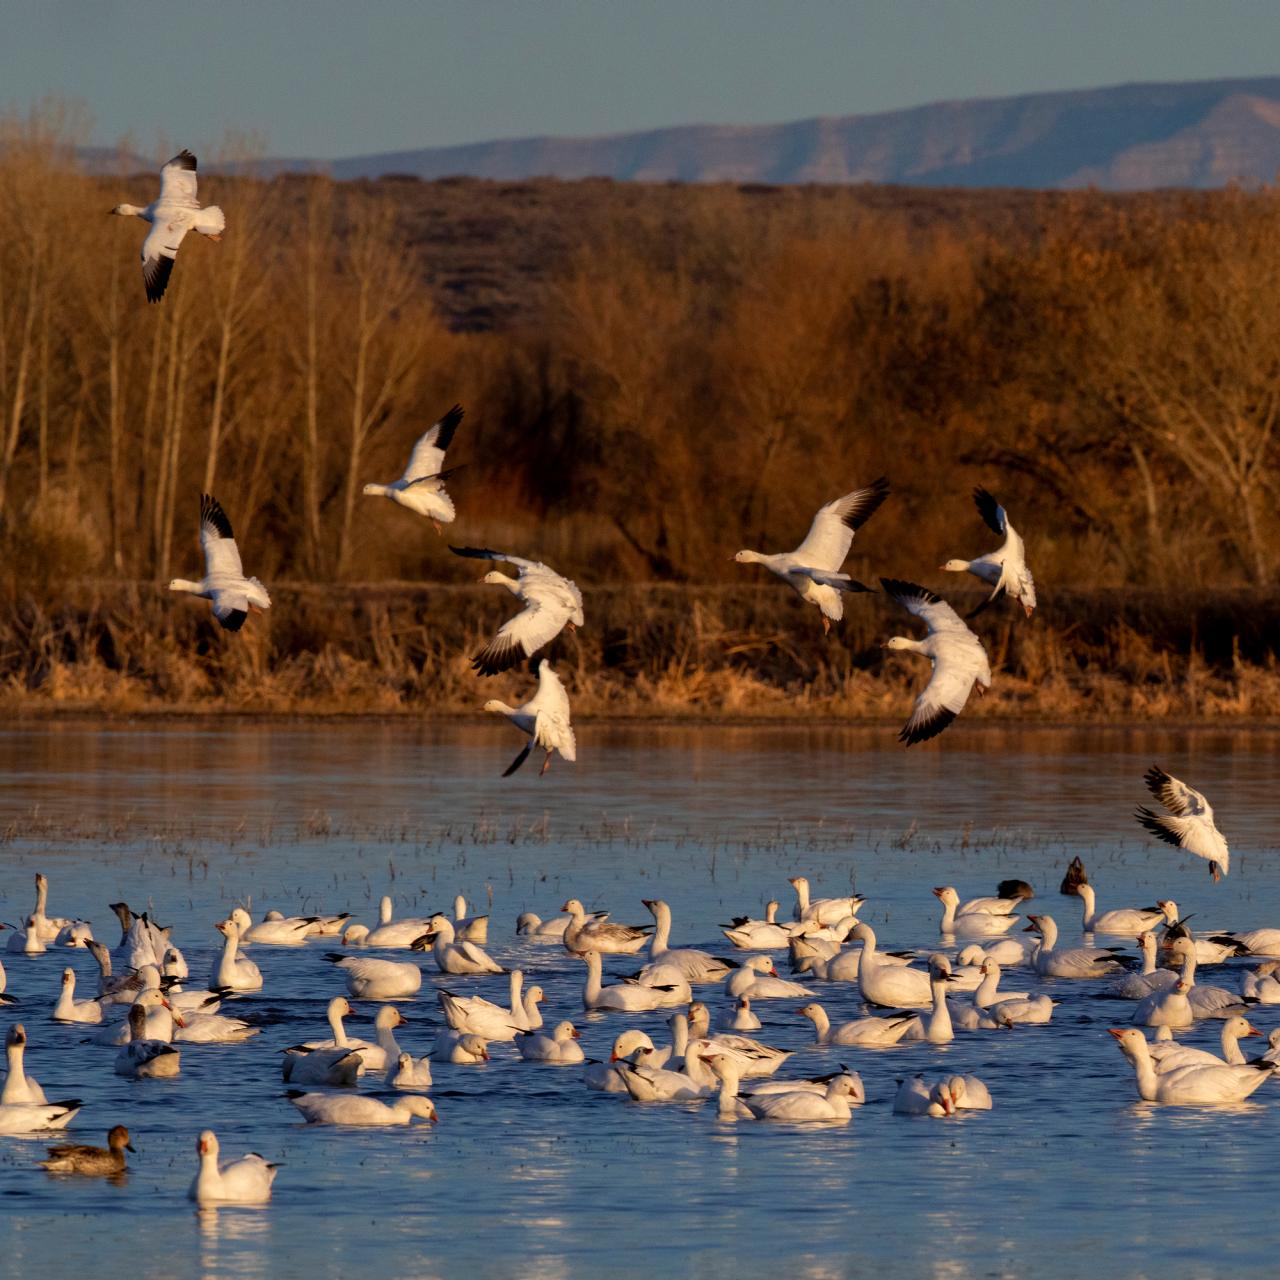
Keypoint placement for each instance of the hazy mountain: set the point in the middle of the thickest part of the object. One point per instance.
(1129, 137)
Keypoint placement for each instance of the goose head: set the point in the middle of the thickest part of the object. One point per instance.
(955, 566)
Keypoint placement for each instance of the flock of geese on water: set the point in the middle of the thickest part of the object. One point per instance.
(142, 1005)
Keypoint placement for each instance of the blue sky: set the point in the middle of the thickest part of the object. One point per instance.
(326, 79)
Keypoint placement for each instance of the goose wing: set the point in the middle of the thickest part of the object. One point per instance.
(993, 514)
(1175, 795)
(427, 459)
(518, 638)
(159, 250)
(831, 534)
(178, 180)
(221, 555)
(552, 727)
(931, 609)
(484, 553)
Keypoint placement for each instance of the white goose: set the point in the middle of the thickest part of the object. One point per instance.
(69, 1009)
(693, 965)
(936, 1027)
(958, 658)
(27, 940)
(244, 1181)
(1261, 984)
(1125, 920)
(1205, 1001)
(461, 1048)
(740, 1018)
(892, 986)
(336, 1068)
(1251, 942)
(970, 924)
(48, 927)
(532, 926)
(142, 1058)
(758, 935)
(1138, 986)
(1071, 962)
(749, 1057)
(473, 928)
(233, 972)
(1168, 1055)
(1167, 1008)
(32, 1117)
(594, 933)
(626, 997)
(544, 717)
(1005, 569)
(1194, 1085)
(869, 1033)
(560, 1048)
(551, 604)
(1191, 826)
(361, 1111)
(421, 488)
(19, 1089)
(1009, 1009)
(759, 979)
(492, 1021)
(603, 1077)
(233, 595)
(822, 911)
(389, 933)
(813, 569)
(645, 1082)
(409, 1074)
(798, 1106)
(372, 979)
(273, 933)
(916, 1098)
(172, 214)
(452, 954)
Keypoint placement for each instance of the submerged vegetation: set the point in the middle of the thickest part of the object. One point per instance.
(654, 378)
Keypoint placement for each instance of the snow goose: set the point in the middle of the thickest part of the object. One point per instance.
(273, 933)
(968, 1093)
(626, 997)
(594, 933)
(493, 1021)
(560, 1048)
(533, 927)
(916, 1098)
(409, 1074)
(26, 941)
(1261, 984)
(758, 935)
(233, 596)
(76, 933)
(800, 1106)
(452, 954)
(390, 933)
(461, 1048)
(751, 1058)
(1007, 951)
(19, 1089)
(337, 1068)
(891, 986)
(1071, 962)
(958, 658)
(4, 982)
(551, 604)
(1201, 1084)
(473, 928)
(1205, 1001)
(837, 966)
(244, 1181)
(232, 972)
(1167, 1008)
(603, 1077)
(337, 1009)
(544, 717)
(1009, 1009)
(1251, 942)
(971, 923)
(96, 1162)
(868, 1033)
(936, 1026)
(1125, 920)
(1273, 1042)
(421, 488)
(1002, 904)
(48, 927)
(211, 1028)
(69, 1009)
(172, 214)
(360, 1111)
(648, 1083)
(695, 966)
(740, 1018)
(371, 979)
(813, 569)
(31, 1117)
(1191, 826)
(1138, 986)
(143, 1058)
(1168, 1055)
(1005, 569)
(822, 911)
(142, 942)
(759, 979)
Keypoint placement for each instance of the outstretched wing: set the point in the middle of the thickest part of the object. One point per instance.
(992, 513)
(519, 760)
(838, 581)
(427, 458)
(221, 555)
(483, 553)
(1176, 796)
(1170, 830)
(159, 250)
(178, 180)
(932, 609)
(831, 534)
(520, 637)
(941, 700)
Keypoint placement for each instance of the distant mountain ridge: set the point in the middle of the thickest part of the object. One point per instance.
(1125, 138)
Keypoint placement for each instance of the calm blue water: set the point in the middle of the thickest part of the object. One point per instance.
(527, 1173)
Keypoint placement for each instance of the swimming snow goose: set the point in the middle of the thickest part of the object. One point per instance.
(1124, 920)
(740, 1017)
(359, 1111)
(372, 979)
(172, 214)
(868, 1033)
(594, 933)
(409, 1074)
(970, 924)
(891, 986)
(1071, 962)
(1195, 1085)
(813, 569)
(19, 1088)
(561, 1047)
(232, 594)
(1262, 984)
(794, 1106)
(69, 1009)
(1206, 1001)
(244, 1181)
(544, 717)
(551, 604)
(1168, 1055)
(48, 927)
(452, 954)
(822, 911)
(1008, 1008)
(626, 997)
(1138, 986)
(1004, 569)
(231, 971)
(1168, 1008)
(388, 932)
(461, 1048)
(695, 966)
(143, 1058)
(916, 1098)
(31, 1117)
(484, 1018)
(759, 979)
(958, 658)
(421, 488)
(750, 1057)
(1191, 826)
(603, 1077)
(758, 935)
(645, 1082)
(273, 933)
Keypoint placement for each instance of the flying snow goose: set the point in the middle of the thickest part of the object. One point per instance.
(958, 658)
(421, 488)
(626, 997)
(560, 1048)
(105, 1161)
(544, 717)
(69, 1009)
(1071, 962)
(1123, 920)
(971, 924)
(551, 604)
(812, 570)
(452, 954)
(231, 971)
(868, 1033)
(595, 933)
(1199, 1084)
(1191, 827)
(372, 979)
(232, 594)
(244, 1181)
(1005, 569)
(361, 1111)
(172, 214)
(822, 911)
(19, 1089)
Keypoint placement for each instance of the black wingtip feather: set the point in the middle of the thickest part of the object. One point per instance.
(232, 621)
(988, 509)
(1156, 780)
(926, 729)
(1153, 824)
(499, 655)
(155, 276)
(448, 425)
(184, 160)
(874, 495)
(903, 591)
(211, 512)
